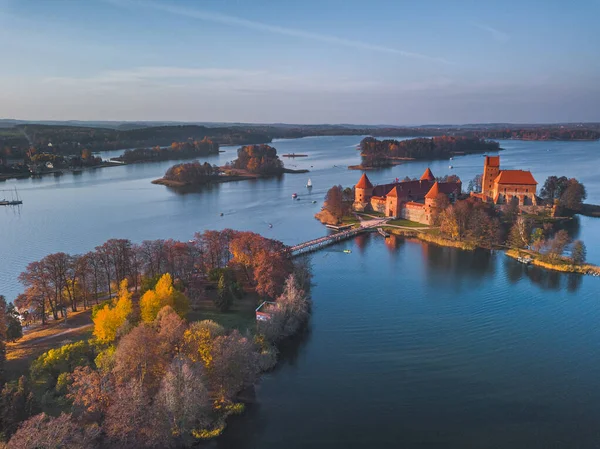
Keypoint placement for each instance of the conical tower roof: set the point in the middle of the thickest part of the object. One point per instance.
(394, 192)
(427, 175)
(363, 182)
(433, 192)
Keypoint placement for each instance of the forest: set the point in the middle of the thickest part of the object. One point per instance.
(149, 377)
(193, 173)
(177, 150)
(381, 153)
(258, 159)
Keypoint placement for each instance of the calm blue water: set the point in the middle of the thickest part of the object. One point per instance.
(410, 345)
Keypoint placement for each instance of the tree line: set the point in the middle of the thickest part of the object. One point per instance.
(60, 280)
(177, 150)
(378, 153)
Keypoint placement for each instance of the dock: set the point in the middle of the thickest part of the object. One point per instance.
(383, 233)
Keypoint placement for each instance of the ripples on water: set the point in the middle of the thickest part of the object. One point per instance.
(410, 345)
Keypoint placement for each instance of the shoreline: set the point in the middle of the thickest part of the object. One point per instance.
(561, 265)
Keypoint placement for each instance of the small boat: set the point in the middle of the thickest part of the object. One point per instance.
(221, 214)
(294, 195)
(451, 158)
(309, 184)
(525, 260)
(347, 251)
(450, 166)
(314, 202)
(270, 225)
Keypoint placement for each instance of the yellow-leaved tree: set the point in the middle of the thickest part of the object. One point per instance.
(108, 320)
(163, 295)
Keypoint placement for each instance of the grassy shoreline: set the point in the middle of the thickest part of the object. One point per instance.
(563, 265)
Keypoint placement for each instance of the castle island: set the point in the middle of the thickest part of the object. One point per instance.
(417, 200)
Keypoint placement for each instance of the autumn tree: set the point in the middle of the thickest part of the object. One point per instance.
(579, 252)
(17, 403)
(45, 432)
(573, 196)
(234, 365)
(475, 184)
(183, 399)
(164, 294)
(132, 420)
(520, 233)
(334, 203)
(111, 317)
(288, 314)
(90, 391)
(558, 243)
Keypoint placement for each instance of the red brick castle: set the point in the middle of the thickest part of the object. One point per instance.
(411, 200)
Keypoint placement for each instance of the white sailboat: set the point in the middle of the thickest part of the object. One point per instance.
(309, 184)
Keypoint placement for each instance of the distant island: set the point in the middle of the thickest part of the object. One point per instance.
(177, 150)
(19, 140)
(384, 153)
(253, 161)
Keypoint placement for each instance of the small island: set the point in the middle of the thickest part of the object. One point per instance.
(177, 150)
(253, 161)
(386, 153)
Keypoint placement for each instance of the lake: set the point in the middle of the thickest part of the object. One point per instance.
(410, 345)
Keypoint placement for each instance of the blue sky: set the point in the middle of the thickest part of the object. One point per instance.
(312, 61)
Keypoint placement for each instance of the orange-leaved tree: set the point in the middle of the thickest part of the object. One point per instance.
(108, 320)
(164, 294)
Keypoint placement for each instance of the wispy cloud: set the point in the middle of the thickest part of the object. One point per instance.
(209, 79)
(498, 35)
(223, 19)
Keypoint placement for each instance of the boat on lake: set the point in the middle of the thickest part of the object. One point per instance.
(309, 184)
(294, 196)
(15, 201)
(525, 260)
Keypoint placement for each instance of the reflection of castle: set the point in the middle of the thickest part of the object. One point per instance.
(411, 200)
(503, 186)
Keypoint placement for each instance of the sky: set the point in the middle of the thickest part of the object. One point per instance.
(310, 61)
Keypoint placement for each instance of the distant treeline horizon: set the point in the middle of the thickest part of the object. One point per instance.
(16, 140)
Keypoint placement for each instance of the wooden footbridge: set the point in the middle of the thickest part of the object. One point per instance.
(316, 244)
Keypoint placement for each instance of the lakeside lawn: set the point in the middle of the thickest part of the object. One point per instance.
(407, 223)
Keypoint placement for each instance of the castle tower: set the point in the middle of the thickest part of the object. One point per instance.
(427, 175)
(363, 191)
(431, 202)
(392, 203)
(491, 169)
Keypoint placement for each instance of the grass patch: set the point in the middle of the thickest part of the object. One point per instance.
(406, 223)
(350, 220)
(371, 214)
(241, 316)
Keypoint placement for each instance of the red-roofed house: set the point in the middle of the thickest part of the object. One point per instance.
(504, 186)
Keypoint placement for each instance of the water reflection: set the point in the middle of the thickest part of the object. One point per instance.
(544, 279)
(448, 262)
